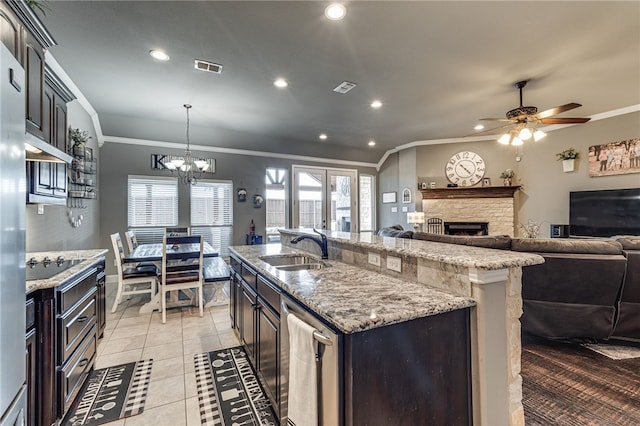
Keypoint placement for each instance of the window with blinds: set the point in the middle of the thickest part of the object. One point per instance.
(152, 201)
(212, 213)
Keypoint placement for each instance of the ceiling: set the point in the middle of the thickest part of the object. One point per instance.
(437, 67)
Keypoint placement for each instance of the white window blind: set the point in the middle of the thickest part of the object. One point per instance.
(212, 213)
(152, 201)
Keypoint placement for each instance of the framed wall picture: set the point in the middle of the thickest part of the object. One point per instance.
(388, 197)
(486, 182)
(615, 158)
(406, 195)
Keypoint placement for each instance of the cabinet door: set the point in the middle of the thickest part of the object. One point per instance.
(32, 388)
(59, 131)
(247, 326)
(10, 32)
(269, 352)
(60, 179)
(41, 178)
(34, 71)
(101, 307)
(47, 115)
(232, 299)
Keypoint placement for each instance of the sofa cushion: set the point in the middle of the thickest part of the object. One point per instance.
(556, 245)
(395, 231)
(629, 242)
(497, 242)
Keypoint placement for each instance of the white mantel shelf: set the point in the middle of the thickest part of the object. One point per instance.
(470, 192)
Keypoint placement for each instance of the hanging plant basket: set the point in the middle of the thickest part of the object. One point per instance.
(568, 165)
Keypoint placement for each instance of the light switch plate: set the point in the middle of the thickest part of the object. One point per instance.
(394, 263)
(394, 210)
(374, 259)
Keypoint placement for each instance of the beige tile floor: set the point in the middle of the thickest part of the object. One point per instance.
(130, 336)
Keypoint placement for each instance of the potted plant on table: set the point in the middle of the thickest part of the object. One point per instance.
(568, 157)
(507, 177)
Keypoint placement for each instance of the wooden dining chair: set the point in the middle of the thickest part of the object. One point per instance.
(142, 279)
(181, 268)
(132, 241)
(177, 232)
(434, 225)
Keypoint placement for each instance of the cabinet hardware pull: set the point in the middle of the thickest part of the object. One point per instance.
(83, 362)
(82, 318)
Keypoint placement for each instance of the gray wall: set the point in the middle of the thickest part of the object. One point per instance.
(544, 196)
(53, 230)
(397, 173)
(118, 161)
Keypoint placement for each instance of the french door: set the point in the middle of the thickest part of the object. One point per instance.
(325, 199)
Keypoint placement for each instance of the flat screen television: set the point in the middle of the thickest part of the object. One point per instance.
(604, 213)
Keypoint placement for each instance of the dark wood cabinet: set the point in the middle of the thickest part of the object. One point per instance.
(268, 343)
(31, 362)
(101, 301)
(11, 32)
(34, 76)
(48, 180)
(247, 307)
(61, 348)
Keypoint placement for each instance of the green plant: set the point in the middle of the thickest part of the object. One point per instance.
(78, 135)
(567, 154)
(507, 174)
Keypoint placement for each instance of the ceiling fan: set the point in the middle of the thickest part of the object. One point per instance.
(525, 118)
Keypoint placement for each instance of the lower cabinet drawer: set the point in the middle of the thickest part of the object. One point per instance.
(74, 325)
(73, 373)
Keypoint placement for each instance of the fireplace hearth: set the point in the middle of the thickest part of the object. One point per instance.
(466, 228)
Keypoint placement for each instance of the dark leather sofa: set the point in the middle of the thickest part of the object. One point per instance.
(585, 289)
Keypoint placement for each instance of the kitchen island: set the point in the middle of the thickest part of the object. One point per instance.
(373, 282)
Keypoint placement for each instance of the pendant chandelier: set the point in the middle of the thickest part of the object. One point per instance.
(189, 169)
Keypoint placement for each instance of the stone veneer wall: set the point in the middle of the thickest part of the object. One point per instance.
(499, 212)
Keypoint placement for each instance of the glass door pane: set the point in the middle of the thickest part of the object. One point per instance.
(309, 195)
(342, 193)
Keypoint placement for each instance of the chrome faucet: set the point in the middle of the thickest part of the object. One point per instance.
(322, 241)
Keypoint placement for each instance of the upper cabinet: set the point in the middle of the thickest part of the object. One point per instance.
(27, 38)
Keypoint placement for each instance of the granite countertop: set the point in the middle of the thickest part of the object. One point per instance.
(351, 298)
(453, 254)
(90, 258)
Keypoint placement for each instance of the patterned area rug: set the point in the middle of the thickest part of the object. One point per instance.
(229, 392)
(614, 351)
(110, 394)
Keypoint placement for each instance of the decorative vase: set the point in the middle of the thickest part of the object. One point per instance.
(79, 149)
(568, 165)
(507, 181)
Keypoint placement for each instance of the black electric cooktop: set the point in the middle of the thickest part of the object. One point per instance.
(42, 272)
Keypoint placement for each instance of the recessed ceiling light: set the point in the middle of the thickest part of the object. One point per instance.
(323, 136)
(376, 104)
(281, 83)
(159, 54)
(372, 143)
(478, 127)
(335, 11)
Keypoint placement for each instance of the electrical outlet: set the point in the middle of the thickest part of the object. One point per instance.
(40, 208)
(374, 259)
(518, 158)
(394, 263)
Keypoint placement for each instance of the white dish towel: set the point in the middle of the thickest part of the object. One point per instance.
(303, 398)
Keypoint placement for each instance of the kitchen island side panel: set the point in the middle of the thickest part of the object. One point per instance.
(416, 372)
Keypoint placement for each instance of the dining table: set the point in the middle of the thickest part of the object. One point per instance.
(214, 269)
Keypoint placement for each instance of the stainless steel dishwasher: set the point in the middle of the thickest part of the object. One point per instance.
(329, 365)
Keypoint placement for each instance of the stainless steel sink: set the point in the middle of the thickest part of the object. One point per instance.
(279, 260)
(301, 267)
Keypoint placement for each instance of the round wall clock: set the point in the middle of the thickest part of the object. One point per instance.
(465, 168)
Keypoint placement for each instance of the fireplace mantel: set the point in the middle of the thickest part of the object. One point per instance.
(470, 192)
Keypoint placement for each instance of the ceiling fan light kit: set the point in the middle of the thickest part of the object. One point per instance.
(526, 118)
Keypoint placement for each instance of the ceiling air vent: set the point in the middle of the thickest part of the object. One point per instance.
(344, 87)
(208, 66)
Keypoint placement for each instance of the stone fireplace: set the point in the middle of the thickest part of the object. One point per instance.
(494, 206)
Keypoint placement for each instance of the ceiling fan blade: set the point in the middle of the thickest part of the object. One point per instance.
(496, 119)
(557, 110)
(565, 120)
(488, 130)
